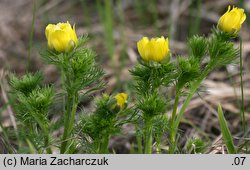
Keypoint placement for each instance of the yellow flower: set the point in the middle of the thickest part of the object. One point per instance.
(232, 20)
(155, 49)
(121, 99)
(61, 37)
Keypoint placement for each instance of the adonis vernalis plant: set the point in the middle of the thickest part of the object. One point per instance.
(91, 131)
(78, 70)
(97, 128)
(189, 73)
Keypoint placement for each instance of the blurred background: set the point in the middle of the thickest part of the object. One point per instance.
(113, 28)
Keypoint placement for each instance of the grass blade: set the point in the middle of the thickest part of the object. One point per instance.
(227, 137)
(5, 139)
(32, 148)
(31, 36)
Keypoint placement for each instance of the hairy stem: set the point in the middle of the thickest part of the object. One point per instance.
(148, 136)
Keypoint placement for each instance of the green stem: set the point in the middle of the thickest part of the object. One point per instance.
(148, 136)
(69, 118)
(104, 146)
(172, 129)
(193, 89)
(139, 141)
(72, 119)
(242, 90)
(66, 124)
(176, 101)
(46, 143)
(158, 144)
(243, 119)
(45, 130)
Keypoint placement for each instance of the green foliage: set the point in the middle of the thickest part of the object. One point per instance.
(30, 101)
(150, 77)
(189, 70)
(227, 137)
(160, 126)
(223, 36)
(25, 84)
(151, 105)
(80, 75)
(79, 69)
(99, 125)
(195, 146)
(198, 46)
(34, 107)
(82, 70)
(35, 140)
(104, 106)
(79, 72)
(40, 99)
(221, 52)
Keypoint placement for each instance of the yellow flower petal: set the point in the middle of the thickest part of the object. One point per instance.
(59, 40)
(142, 46)
(232, 20)
(49, 28)
(155, 49)
(121, 99)
(61, 37)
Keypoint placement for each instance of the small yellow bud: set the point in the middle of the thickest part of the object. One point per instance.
(61, 37)
(155, 49)
(121, 99)
(232, 20)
